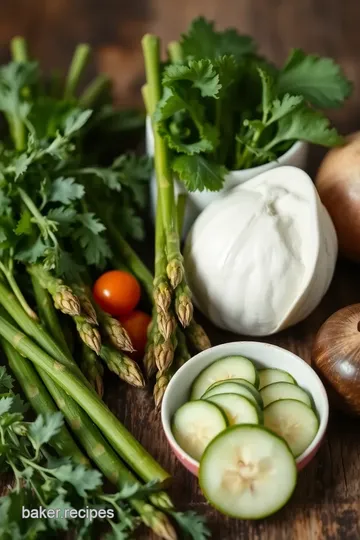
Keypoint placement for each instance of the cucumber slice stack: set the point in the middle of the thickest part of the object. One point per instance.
(246, 427)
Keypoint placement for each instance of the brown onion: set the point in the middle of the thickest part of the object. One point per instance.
(336, 357)
(338, 184)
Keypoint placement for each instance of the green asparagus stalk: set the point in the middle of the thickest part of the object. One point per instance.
(164, 351)
(92, 440)
(182, 354)
(161, 384)
(40, 400)
(122, 441)
(92, 368)
(36, 331)
(64, 298)
(124, 367)
(88, 333)
(8, 274)
(183, 304)
(87, 308)
(115, 332)
(47, 314)
(165, 184)
(149, 356)
(197, 336)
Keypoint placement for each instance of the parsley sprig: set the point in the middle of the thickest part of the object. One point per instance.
(224, 107)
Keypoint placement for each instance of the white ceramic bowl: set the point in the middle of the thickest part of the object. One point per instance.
(198, 200)
(263, 355)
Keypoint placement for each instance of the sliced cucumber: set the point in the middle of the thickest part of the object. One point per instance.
(195, 424)
(247, 472)
(230, 388)
(230, 367)
(238, 409)
(269, 376)
(243, 382)
(284, 390)
(293, 421)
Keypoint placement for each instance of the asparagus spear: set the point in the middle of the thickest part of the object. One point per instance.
(91, 439)
(197, 336)
(165, 183)
(115, 332)
(183, 304)
(64, 298)
(182, 355)
(123, 442)
(106, 460)
(88, 333)
(87, 309)
(40, 400)
(92, 369)
(126, 368)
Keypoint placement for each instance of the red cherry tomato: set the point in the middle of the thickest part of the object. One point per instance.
(117, 292)
(136, 325)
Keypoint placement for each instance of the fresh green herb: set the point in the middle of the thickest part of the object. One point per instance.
(223, 107)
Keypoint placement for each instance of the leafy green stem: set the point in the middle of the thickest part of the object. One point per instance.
(93, 91)
(77, 66)
(17, 291)
(39, 218)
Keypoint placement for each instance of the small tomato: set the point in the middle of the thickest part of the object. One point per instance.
(117, 292)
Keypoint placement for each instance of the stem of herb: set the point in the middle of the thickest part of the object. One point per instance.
(175, 52)
(93, 91)
(17, 291)
(78, 63)
(40, 220)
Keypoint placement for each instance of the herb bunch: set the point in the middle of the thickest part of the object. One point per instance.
(224, 107)
(58, 485)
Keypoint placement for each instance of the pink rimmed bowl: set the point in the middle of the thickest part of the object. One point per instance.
(264, 355)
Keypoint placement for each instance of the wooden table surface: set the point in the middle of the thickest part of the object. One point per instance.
(326, 505)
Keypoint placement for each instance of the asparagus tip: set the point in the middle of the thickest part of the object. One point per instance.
(175, 272)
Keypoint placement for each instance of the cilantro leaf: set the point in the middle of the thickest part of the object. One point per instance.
(32, 253)
(68, 267)
(192, 524)
(305, 124)
(201, 73)
(319, 80)
(110, 178)
(75, 121)
(168, 105)
(24, 225)
(281, 107)
(82, 478)
(198, 173)
(5, 404)
(61, 505)
(202, 41)
(96, 249)
(45, 427)
(65, 190)
(64, 217)
(4, 203)
(130, 223)
(6, 381)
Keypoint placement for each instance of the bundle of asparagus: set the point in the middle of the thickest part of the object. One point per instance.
(46, 226)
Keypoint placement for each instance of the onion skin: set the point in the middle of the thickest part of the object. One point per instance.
(336, 358)
(338, 184)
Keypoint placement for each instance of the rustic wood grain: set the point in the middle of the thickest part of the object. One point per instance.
(326, 505)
